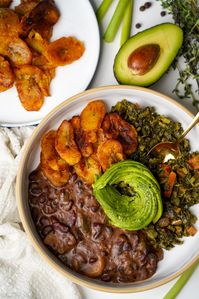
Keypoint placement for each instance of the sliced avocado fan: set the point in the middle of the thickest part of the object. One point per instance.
(147, 55)
(124, 211)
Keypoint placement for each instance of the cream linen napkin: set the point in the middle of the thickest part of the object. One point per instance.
(23, 274)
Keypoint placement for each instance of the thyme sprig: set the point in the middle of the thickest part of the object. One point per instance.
(186, 15)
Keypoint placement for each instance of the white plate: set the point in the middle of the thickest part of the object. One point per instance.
(77, 19)
(176, 260)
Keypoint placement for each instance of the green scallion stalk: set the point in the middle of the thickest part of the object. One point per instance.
(115, 21)
(101, 11)
(126, 27)
(174, 291)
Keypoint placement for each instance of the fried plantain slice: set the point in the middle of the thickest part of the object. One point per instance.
(41, 62)
(49, 152)
(28, 84)
(44, 83)
(65, 143)
(5, 3)
(110, 152)
(76, 124)
(9, 23)
(88, 169)
(84, 145)
(37, 42)
(64, 51)
(45, 30)
(57, 177)
(92, 115)
(18, 52)
(6, 75)
(83, 139)
(45, 13)
(115, 127)
(25, 7)
(60, 52)
(4, 41)
(109, 129)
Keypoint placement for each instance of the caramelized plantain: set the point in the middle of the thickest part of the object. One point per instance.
(85, 146)
(65, 143)
(88, 169)
(76, 124)
(60, 52)
(115, 127)
(83, 139)
(44, 84)
(25, 7)
(54, 168)
(18, 52)
(45, 30)
(57, 177)
(109, 129)
(92, 115)
(28, 84)
(9, 23)
(64, 51)
(37, 42)
(6, 75)
(49, 152)
(45, 13)
(5, 3)
(41, 61)
(110, 152)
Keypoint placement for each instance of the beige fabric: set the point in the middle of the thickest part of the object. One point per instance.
(23, 273)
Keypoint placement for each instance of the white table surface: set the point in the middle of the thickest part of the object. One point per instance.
(104, 76)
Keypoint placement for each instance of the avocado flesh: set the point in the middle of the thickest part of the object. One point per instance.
(168, 36)
(129, 212)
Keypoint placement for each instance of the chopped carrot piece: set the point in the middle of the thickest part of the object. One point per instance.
(191, 230)
(194, 162)
(169, 185)
(165, 170)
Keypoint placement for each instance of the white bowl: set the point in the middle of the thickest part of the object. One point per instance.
(175, 261)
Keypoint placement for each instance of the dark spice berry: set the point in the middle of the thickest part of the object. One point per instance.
(142, 8)
(163, 13)
(147, 4)
(138, 25)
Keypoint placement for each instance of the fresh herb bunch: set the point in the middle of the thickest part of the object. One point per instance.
(186, 15)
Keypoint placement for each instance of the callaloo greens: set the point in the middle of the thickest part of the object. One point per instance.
(178, 179)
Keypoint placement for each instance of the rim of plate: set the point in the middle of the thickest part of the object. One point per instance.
(25, 221)
(32, 123)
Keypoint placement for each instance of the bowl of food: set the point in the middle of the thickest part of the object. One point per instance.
(96, 206)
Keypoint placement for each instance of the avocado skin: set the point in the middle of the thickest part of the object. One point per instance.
(129, 212)
(155, 73)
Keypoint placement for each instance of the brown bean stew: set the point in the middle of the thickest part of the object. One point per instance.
(68, 218)
(72, 224)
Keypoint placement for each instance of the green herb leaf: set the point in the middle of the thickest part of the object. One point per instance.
(186, 15)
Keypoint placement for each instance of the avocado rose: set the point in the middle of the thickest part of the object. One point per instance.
(135, 205)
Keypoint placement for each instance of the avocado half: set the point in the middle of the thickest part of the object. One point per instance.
(131, 212)
(168, 37)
